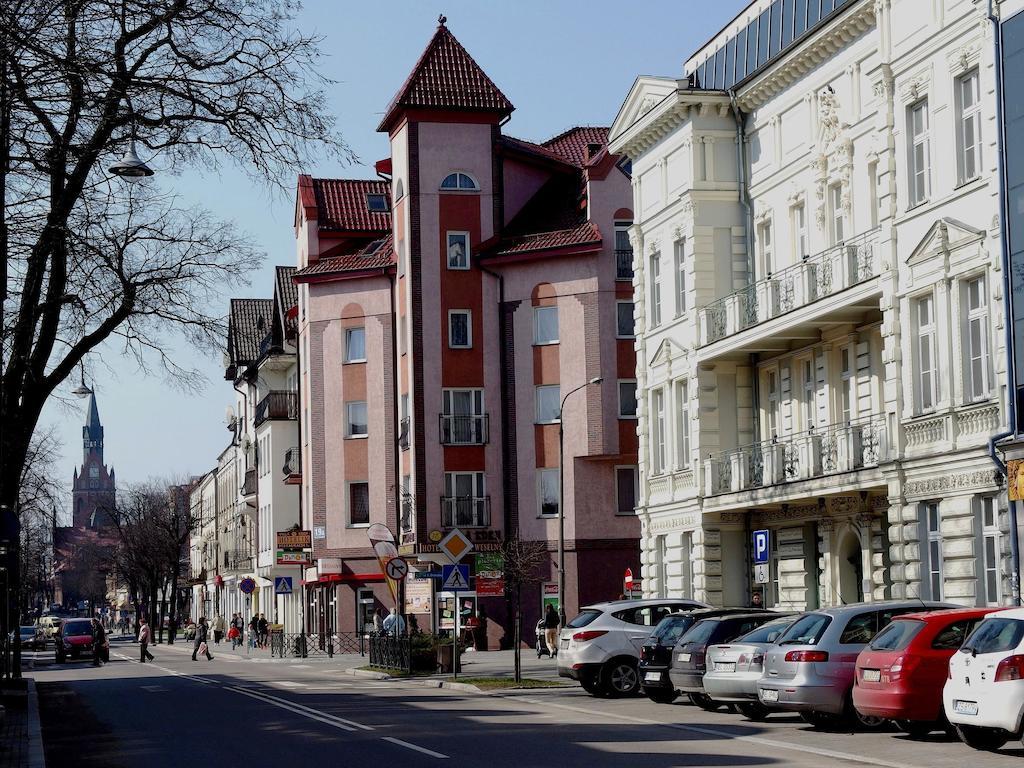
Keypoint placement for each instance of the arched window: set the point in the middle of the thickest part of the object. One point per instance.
(459, 180)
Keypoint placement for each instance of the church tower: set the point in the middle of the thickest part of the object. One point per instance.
(93, 486)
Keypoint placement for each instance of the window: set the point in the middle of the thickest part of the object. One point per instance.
(951, 637)
(459, 181)
(458, 250)
(460, 329)
(547, 492)
(545, 325)
(407, 503)
(835, 205)
(682, 425)
(547, 402)
(927, 380)
(800, 232)
(990, 544)
(873, 193)
(920, 175)
(376, 203)
(968, 103)
(465, 503)
(680, 270)
(846, 384)
(94, 472)
(773, 403)
(355, 345)
(403, 333)
(976, 380)
(658, 431)
(807, 404)
(627, 398)
(764, 242)
(400, 250)
(932, 524)
(655, 289)
(860, 629)
(626, 482)
(463, 422)
(355, 414)
(623, 252)
(359, 503)
(624, 328)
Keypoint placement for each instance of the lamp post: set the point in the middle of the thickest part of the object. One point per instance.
(561, 498)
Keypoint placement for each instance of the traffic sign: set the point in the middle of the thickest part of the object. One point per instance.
(627, 579)
(455, 578)
(396, 568)
(761, 573)
(426, 574)
(282, 585)
(455, 545)
(762, 546)
(247, 585)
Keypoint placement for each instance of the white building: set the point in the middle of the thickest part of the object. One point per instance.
(820, 326)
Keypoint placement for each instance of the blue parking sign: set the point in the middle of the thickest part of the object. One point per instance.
(762, 546)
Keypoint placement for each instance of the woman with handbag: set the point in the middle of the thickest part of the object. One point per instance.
(200, 645)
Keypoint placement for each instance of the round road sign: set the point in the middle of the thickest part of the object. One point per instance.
(396, 568)
(247, 585)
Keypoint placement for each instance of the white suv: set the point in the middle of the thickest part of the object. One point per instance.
(984, 693)
(601, 646)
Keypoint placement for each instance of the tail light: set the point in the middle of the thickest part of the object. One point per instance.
(752, 659)
(590, 634)
(699, 658)
(903, 665)
(1010, 668)
(807, 656)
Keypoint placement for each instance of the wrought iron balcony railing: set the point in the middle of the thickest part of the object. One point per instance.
(403, 433)
(815, 277)
(238, 560)
(277, 405)
(624, 264)
(249, 483)
(292, 462)
(464, 430)
(815, 453)
(465, 511)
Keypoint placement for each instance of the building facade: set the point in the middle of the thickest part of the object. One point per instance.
(819, 307)
(451, 315)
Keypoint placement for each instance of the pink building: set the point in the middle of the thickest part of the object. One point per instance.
(444, 312)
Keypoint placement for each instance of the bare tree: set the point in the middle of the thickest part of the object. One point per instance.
(87, 260)
(40, 494)
(523, 561)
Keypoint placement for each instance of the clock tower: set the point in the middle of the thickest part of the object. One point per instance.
(93, 486)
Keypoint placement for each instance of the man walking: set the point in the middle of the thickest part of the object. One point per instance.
(200, 644)
(99, 637)
(218, 628)
(145, 638)
(551, 630)
(264, 629)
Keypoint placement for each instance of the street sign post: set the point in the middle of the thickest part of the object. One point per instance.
(455, 578)
(455, 545)
(247, 585)
(761, 573)
(282, 585)
(426, 575)
(396, 568)
(762, 546)
(627, 581)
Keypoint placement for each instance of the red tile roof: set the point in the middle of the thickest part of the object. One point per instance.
(574, 144)
(248, 323)
(379, 254)
(341, 205)
(447, 77)
(530, 148)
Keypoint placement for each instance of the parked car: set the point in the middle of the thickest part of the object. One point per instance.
(900, 674)
(601, 646)
(689, 659)
(29, 637)
(733, 669)
(75, 639)
(811, 669)
(984, 694)
(656, 652)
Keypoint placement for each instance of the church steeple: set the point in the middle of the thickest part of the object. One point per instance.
(92, 433)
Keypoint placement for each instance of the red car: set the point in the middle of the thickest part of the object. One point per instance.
(74, 639)
(901, 672)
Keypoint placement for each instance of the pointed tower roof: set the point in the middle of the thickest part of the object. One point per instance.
(447, 77)
(93, 419)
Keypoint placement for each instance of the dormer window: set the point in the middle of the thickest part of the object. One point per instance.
(377, 203)
(593, 149)
(461, 181)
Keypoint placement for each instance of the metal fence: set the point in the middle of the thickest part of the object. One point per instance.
(391, 652)
(302, 646)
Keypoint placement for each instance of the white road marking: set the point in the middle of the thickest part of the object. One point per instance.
(326, 720)
(288, 684)
(414, 747)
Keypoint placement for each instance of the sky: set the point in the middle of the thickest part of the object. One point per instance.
(561, 62)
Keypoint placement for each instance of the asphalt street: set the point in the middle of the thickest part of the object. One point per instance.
(236, 712)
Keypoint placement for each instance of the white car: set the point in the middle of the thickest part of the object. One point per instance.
(984, 693)
(601, 646)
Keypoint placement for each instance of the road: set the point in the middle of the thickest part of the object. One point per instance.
(238, 712)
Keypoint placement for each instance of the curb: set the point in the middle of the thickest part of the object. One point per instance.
(427, 683)
(36, 756)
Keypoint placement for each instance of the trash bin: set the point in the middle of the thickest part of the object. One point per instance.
(444, 658)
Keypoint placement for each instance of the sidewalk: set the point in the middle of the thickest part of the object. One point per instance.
(21, 741)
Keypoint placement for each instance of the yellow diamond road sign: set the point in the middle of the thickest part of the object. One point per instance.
(455, 545)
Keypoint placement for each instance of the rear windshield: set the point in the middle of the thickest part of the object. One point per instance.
(671, 629)
(78, 628)
(807, 630)
(766, 633)
(952, 637)
(994, 636)
(584, 618)
(897, 635)
(700, 632)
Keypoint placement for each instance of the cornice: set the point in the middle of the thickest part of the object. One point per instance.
(665, 117)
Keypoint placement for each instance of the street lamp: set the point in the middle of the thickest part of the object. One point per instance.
(561, 499)
(130, 167)
(81, 390)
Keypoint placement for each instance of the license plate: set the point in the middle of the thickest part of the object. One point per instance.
(965, 707)
(725, 666)
(872, 675)
(684, 657)
(652, 677)
(564, 644)
(767, 694)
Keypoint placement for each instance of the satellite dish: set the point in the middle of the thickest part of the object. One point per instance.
(229, 415)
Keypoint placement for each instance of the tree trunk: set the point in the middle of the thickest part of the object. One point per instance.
(174, 609)
(517, 633)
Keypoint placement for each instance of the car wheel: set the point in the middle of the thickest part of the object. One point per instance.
(619, 677)
(753, 710)
(820, 720)
(705, 702)
(661, 695)
(976, 737)
(917, 729)
(592, 684)
(61, 658)
(866, 722)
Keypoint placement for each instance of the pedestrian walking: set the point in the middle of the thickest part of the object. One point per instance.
(145, 638)
(235, 631)
(199, 644)
(378, 621)
(254, 630)
(99, 637)
(218, 628)
(394, 624)
(263, 627)
(551, 629)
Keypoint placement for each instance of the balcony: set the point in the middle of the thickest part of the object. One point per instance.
(464, 430)
(238, 560)
(465, 511)
(816, 453)
(624, 264)
(249, 483)
(277, 405)
(292, 466)
(403, 434)
(814, 278)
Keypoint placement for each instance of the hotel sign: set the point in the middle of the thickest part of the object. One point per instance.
(294, 540)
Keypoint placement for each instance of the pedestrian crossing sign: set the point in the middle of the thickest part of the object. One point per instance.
(282, 585)
(455, 578)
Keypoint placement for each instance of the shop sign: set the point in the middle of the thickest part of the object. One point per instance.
(294, 539)
(417, 596)
(294, 557)
(490, 575)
